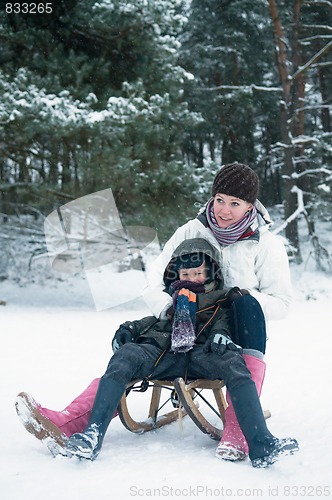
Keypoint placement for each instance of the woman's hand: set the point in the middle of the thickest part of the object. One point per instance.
(235, 293)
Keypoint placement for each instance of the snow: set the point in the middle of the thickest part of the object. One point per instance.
(54, 343)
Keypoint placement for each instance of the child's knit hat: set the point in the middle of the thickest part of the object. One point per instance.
(192, 252)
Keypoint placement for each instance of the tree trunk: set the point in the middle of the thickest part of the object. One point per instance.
(325, 113)
(290, 199)
(65, 175)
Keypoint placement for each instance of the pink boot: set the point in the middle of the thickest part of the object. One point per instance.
(233, 445)
(56, 426)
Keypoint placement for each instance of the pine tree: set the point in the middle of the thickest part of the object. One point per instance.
(92, 99)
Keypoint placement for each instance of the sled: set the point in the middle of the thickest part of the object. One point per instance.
(189, 398)
(202, 400)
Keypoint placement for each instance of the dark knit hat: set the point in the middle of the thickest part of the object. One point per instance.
(238, 180)
(188, 261)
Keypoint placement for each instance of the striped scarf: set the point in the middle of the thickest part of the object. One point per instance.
(184, 301)
(231, 234)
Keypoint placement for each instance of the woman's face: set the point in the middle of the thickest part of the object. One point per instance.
(228, 209)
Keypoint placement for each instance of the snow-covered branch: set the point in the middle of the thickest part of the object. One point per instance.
(325, 3)
(317, 26)
(316, 106)
(300, 209)
(319, 54)
(304, 139)
(321, 170)
(322, 64)
(307, 41)
(281, 145)
(246, 88)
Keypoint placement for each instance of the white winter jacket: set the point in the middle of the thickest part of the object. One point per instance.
(259, 264)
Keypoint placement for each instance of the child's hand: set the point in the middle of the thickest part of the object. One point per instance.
(219, 343)
(122, 336)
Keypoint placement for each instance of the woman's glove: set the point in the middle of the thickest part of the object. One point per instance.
(219, 342)
(122, 336)
(236, 292)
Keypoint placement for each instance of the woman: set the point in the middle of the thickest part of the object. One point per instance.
(251, 257)
(236, 223)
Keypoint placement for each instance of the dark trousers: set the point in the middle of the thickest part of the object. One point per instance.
(247, 323)
(137, 361)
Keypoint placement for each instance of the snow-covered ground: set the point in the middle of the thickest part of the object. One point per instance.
(53, 343)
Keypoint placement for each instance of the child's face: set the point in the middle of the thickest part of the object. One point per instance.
(195, 274)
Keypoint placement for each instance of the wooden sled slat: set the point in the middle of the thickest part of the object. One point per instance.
(154, 420)
(185, 393)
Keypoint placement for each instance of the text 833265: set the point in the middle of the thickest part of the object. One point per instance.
(28, 8)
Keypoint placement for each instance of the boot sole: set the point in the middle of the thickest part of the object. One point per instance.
(36, 424)
(80, 452)
(230, 454)
(79, 446)
(287, 449)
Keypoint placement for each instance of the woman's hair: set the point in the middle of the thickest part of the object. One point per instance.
(238, 180)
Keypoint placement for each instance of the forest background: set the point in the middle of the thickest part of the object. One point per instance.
(150, 97)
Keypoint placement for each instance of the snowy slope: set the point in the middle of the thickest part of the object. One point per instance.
(53, 343)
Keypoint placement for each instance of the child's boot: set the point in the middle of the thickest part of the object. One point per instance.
(88, 443)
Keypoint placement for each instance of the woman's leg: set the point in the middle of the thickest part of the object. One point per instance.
(248, 329)
(56, 426)
(264, 448)
(233, 445)
(247, 323)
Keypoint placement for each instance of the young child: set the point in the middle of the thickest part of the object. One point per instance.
(195, 342)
